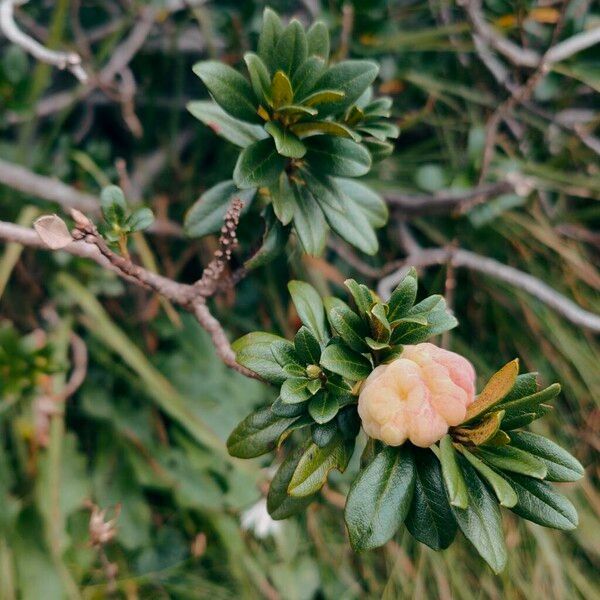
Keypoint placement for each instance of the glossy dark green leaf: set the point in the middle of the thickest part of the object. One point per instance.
(271, 30)
(237, 132)
(257, 434)
(346, 323)
(453, 477)
(512, 459)
(323, 189)
(481, 522)
(282, 197)
(316, 463)
(323, 407)
(337, 156)
(307, 75)
(253, 351)
(309, 222)
(284, 352)
(292, 48)
(317, 38)
(279, 503)
(380, 497)
(430, 519)
(323, 434)
(309, 307)
(363, 298)
(293, 390)
(370, 202)
(287, 410)
(530, 403)
(561, 465)
(348, 422)
(258, 165)
(307, 346)
(287, 143)
(273, 243)
(339, 358)
(306, 129)
(230, 90)
(404, 296)
(525, 385)
(259, 77)
(540, 503)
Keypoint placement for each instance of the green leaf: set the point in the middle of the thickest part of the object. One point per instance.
(481, 522)
(379, 498)
(281, 90)
(352, 77)
(294, 390)
(380, 326)
(323, 189)
(286, 142)
(430, 519)
(378, 149)
(207, 213)
(540, 503)
(258, 165)
(512, 459)
(560, 464)
(323, 97)
(253, 351)
(453, 477)
(323, 434)
(525, 385)
(316, 463)
(287, 410)
(230, 90)
(237, 132)
(337, 156)
(317, 38)
(371, 203)
(273, 242)
(504, 492)
(306, 129)
(113, 204)
(340, 359)
(346, 323)
(532, 402)
(304, 79)
(257, 434)
(404, 296)
(313, 386)
(323, 407)
(309, 307)
(140, 219)
(284, 353)
(292, 47)
(307, 346)
(279, 503)
(380, 131)
(309, 222)
(363, 297)
(282, 196)
(259, 77)
(296, 110)
(271, 30)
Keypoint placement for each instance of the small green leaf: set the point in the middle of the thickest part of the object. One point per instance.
(273, 241)
(323, 434)
(512, 459)
(525, 385)
(380, 497)
(279, 503)
(281, 90)
(229, 89)
(296, 110)
(292, 47)
(140, 219)
(404, 296)
(481, 522)
(307, 346)
(430, 519)
(259, 77)
(306, 129)
(323, 97)
(363, 297)
(380, 131)
(257, 434)
(271, 30)
(560, 464)
(309, 222)
(455, 483)
(380, 326)
(504, 492)
(294, 390)
(323, 407)
(532, 402)
(287, 410)
(237, 132)
(377, 149)
(286, 142)
(323, 189)
(282, 196)
(284, 352)
(304, 79)
(317, 38)
(114, 205)
(369, 202)
(309, 307)
(540, 503)
(313, 386)
(258, 165)
(337, 156)
(253, 351)
(346, 323)
(340, 359)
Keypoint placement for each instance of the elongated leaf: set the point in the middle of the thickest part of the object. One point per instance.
(257, 434)
(380, 498)
(317, 38)
(340, 359)
(292, 47)
(347, 324)
(279, 503)
(296, 110)
(307, 128)
(532, 402)
(316, 463)
(323, 97)
(404, 296)
(237, 132)
(284, 352)
(229, 89)
(309, 222)
(337, 156)
(281, 90)
(560, 464)
(540, 503)
(323, 407)
(525, 385)
(282, 196)
(323, 189)
(305, 78)
(309, 307)
(323, 434)
(307, 346)
(207, 213)
(259, 77)
(253, 351)
(362, 297)
(273, 242)
(430, 519)
(481, 522)
(288, 410)
(453, 477)
(294, 390)
(516, 420)
(286, 142)
(512, 459)
(271, 30)
(258, 165)
(504, 492)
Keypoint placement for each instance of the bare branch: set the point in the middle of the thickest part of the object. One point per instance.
(60, 60)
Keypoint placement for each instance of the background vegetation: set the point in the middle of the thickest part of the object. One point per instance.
(142, 437)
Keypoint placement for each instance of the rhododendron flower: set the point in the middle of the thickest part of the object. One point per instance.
(417, 397)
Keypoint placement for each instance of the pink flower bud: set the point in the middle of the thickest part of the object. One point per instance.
(417, 397)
